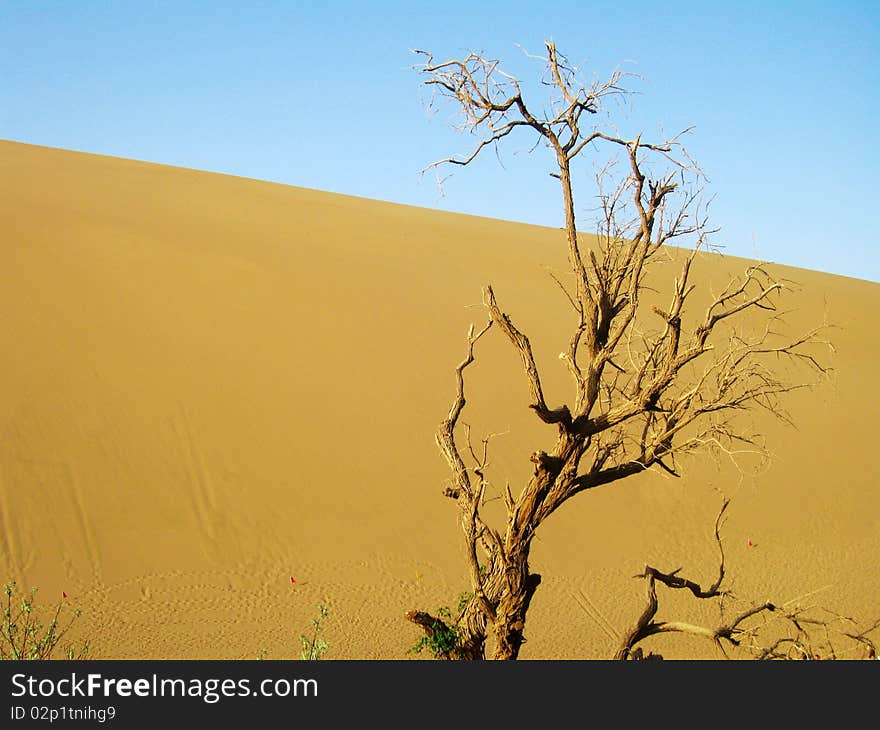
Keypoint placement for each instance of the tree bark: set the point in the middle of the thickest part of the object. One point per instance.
(510, 618)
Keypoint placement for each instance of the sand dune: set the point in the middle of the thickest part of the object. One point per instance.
(212, 384)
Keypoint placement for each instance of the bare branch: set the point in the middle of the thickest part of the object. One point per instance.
(446, 432)
(561, 415)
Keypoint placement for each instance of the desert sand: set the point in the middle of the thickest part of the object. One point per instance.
(214, 384)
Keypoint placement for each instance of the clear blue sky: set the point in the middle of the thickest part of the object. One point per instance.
(785, 98)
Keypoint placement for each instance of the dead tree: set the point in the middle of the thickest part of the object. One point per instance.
(650, 383)
(802, 632)
(646, 625)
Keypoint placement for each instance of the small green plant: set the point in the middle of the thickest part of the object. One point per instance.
(315, 648)
(24, 635)
(443, 640)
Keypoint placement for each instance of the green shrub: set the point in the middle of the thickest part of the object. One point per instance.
(25, 635)
(315, 648)
(444, 639)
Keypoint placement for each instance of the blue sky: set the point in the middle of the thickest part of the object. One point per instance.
(783, 96)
